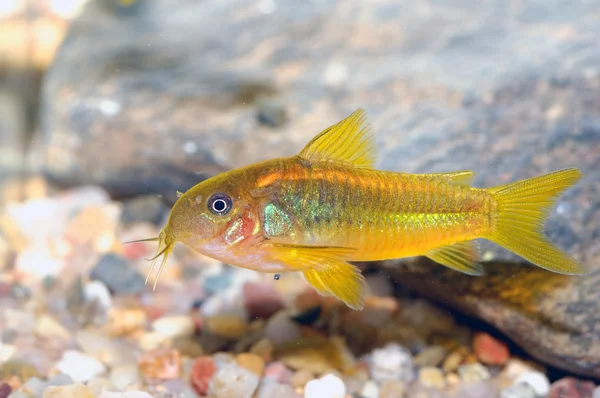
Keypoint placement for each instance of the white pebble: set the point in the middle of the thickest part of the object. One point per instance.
(124, 376)
(70, 391)
(47, 326)
(96, 290)
(473, 373)
(79, 366)
(232, 381)
(174, 326)
(596, 393)
(370, 390)
(537, 380)
(126, 394)
(392, 362)
(328, 386)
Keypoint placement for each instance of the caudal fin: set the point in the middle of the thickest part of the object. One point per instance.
(522, 210)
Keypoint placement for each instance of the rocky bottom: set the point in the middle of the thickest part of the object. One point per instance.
(77, 320)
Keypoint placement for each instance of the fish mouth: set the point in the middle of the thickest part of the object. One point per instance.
(164, 249)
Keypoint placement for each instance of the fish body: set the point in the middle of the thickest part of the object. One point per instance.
(327, 206)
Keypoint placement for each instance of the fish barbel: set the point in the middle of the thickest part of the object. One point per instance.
(327, 206)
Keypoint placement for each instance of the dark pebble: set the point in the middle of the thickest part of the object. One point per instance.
(149, 208)
(118, 274)
(5, 390)
(308, 317)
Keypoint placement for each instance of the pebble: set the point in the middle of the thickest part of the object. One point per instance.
(118, 274)
(252, 362)
(277, 371)
(124, 376)
(77, 390)
(430, 376)
(452, 362)
(431, 356)
(473, 373)
(126, 394)
(47, 326)
(34, 386)
(160, 364)
(281, 329)
(596, 393)
(328, 386)
(572, 388)
(233, 381)
(229, 327)
(300, 378)
(261, 300)
(521, 390)
(99, 384)
(188, 346)
(98, 291)
(148, 208)
(97, 344)
(370, 390)
(489, 350)
(79, 366)
(5, 390)
(263, 348)
(202, 372)
(392, 362)
(537, 380)
(276, 390)
(174, 326)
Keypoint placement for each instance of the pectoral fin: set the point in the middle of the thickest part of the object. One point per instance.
(325, 269)
(460, 256)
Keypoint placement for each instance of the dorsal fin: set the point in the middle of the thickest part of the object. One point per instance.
(349, 141)
(463, 177)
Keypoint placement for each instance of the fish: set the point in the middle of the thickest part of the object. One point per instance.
(328, 206)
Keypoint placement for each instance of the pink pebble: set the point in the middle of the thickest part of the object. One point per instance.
(278, 371)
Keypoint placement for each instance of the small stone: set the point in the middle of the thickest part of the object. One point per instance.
(95, 343)
(230, 327)
(47, 326)
(513, 369)
(521, 390)
(263, 348)
(281, 329)
(34, 387)
(328, 386)
(17, 368)
(277, 371)
(378, 310)
(431, 356)
(118, 274)
(99, 384)
(174, 326)
(392, 389)
(261, 300)
(476, 390)
(126, 394)
(60, 380)
(161, 364)
(233, 381)
(79, 366)
(300, 378)
(596, 393)
(473, 373)
(188, 346)
(252, 362)
(151, 341)
(489, 350)
(537, 380)
(70, 391)
(97, 291)
(430, 376)
(124, 376)
(572, 388)
(203, 370)
(370, 390)
(276, 390)
(392, 362)
(5, 390)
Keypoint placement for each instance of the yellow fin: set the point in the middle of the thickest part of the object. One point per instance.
(179, 194)
(522, 209)
(350, 141)
(463, 177)
(325, 269)
(460, 256)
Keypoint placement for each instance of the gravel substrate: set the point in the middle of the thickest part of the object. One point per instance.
(77, 320)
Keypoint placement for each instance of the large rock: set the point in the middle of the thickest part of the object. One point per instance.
(156, 97)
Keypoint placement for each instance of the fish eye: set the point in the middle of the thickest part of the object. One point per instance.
(220, 204)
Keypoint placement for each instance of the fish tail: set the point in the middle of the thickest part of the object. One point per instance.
(522, 208)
